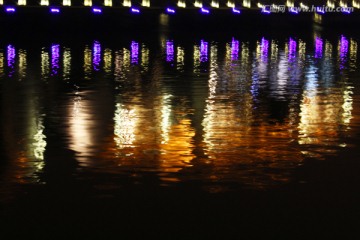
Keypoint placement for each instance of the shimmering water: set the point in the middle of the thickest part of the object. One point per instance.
(223, 111)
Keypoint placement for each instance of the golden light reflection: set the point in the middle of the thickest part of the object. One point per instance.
(1, 64)
(107, 60)
(145, 58)
(87, 62)
(180, 56)
(165, 118)
(66, 64)
(22, 64)
(125, 121)
(196, 58)
(45, 64)
(353, 54)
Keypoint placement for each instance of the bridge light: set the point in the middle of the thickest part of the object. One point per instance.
(10, 9)
(97, 10)
(54, 10)
(170, 10)
(236, 11)
(66, 2)
(181, 4)
(204, 10)
(135, 10)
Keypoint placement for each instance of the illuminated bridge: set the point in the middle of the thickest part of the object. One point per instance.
(221, 13)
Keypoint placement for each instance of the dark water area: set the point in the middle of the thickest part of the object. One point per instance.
(180, 135)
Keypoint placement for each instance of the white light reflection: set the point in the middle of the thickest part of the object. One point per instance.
(87, 62)
(39, 144)
(198, 3)
(165, 118)
(125, 126)
(45, 66)
(180, 58)
(107, 60)
(353, 55)
(145, 52)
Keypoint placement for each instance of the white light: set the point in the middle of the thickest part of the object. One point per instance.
(247, 3)
(66, 2)
(303, 6)
(214, 4)
(356, 4)
(290, 3)
(145, 3)
(330, 4)
(198, 4)
(181, 4)
(127, 3)
(260, 5)
(230, 4)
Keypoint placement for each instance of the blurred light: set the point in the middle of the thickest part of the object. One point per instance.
(236, 11)
(145, 3)
(293, 10)
(230, 4)
(135, 10)
(181, 4)
(214, 4)
(320, 10)
(66, 2)
(22, 2)
(198, 4)
(343, 4)
(88, 3)
(330, 4)
(345, 10)
(290, 3)
(266, 11)
(108, 3)
(54, 10)
(264, 47)
(127, 3)
(55, 56)
(44, 3)
(247, 3)
(303, 6)
(260, 5)
(10, 9)
(1, 2)
(170, 10)
(355, 4)
(11, 59)
(96, 10)
(204, 10)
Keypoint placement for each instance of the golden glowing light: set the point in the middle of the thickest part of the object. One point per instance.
(260, 5)
(145, 3)
(66, 63)
(145, 52)
(88, 3)
(1, 2)
(127, 3)
(247, 3)
(304, 6)
(181, 4)
(66, 2)
(125, 126)
(180, 58)
(107, 60)
(198, 3)
(44, 2)
(330, 4)
(22, 64)
(87, 62)
(230, 4)
(356, 4)
(196, 58)
(22, 2)
(108, 3)
(343, 4)
(317, 18)
(214, 4)
(353, 54)
(45, 64)
(290, 3)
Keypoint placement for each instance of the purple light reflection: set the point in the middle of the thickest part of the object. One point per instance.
(170, 10)
(203, 51)
(134, 52)
(11, 59)
(135, 10)
(169, 51)
(234, 49)
(344, 48)
(318, 47)
(264, 46)
(292, 49)
(96, 55)
(55, 55)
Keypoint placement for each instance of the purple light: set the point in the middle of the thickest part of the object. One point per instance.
(237, 11)
(135, 10)
(203, 51)
(11, 59)
(134, 52)
(345, 10)
(54, 10)
(170, 10)
(55, 55)
(234, 49)
(96, 55)
(264, 10)
(293, 10)
(264, 48)
(318, 47)
(204, 10)
(320, 10)
(10, 9)
(169, 51)
(96, 10)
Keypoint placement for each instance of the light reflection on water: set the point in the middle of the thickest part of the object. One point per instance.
(237, 111)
